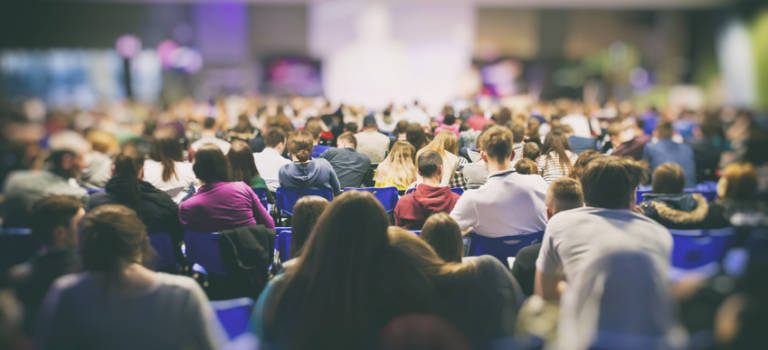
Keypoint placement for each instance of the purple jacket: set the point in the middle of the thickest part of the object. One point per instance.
(221, 206)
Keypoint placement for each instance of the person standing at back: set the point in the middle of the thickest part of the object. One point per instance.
(371, 142)
(270, 160)
(665, 150)
(429, 197)
(350, 166)
(508, 203)
(608, 222)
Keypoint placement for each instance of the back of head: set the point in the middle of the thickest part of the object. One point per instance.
(531, 150)
(497, 143)
(315, 127)
(503, 117)
(739, 182)
(518, 132)
(102, 141)
(444, 236)
(369, 122)
(300, 145)
(113, 237)
(401, 127)
(429, 163)
(446, 141)
(127, 166)
(415, 135)
(348, 138)
(209, 123)
(166, 149)
(274, 137)
(526, 166)
(610, 182)
(306, 212)
(211, 165)
(240, 158)
(581, 163)
(399, 166)
(533, 129)
(556, 144)
(563, 194)
(665, 130)
(61, 161)
(449, 119)
(51, 212)
(668, 178)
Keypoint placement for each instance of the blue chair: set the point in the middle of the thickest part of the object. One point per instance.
(202, 248)
(163, 245)
(457, 190)
(502, 247)
(699, 251)
(94, 190)
(262, 194)
(416, 232)
(640, 193)
(387, 196)
(283, 242)
(287, 197)
(16, 246)
(233, 314)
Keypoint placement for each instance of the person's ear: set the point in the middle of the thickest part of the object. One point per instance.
(484, 156)
(141, 173)
(512, 155)
(549, 213)
(440, 170)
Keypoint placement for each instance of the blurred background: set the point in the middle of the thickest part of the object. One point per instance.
(84, 54)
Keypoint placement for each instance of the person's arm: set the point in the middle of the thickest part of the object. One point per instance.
(334, 181)
(545, 285)
(464, 213)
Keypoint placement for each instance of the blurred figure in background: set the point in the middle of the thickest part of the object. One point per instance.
(208, 135)
(99, 164)
(371, 142)
(556, 158)
(665, 150)
(166, 169)
(269, 161)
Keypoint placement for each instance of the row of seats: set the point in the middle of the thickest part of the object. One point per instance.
(706, 189)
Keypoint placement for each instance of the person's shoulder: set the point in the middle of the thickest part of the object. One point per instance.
(70, 281)
(175, 281)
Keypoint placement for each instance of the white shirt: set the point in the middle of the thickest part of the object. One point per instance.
(507, 204)
(268, 163)
(573, 235)
(172, 313)
(373, 144)
(223, 145)
(178, 185)
(579, 123)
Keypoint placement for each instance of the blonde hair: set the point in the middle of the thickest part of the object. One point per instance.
(444, 141)
(103, 142)
(399, 167)
(739, 181)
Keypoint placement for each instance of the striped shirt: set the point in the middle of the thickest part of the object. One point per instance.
(550, 167)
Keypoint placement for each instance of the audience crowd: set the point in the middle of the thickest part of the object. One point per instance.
(594, 197)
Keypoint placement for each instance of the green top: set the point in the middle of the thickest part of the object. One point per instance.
(257, 182)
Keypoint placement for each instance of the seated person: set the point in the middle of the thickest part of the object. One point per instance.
(315, 126)
(526, 166)
(398, 168)
(562, 194)
(155, 208)
(220, 204)
(166, 168)
(349, 165)
(270, 159)
(54, 224)
(128, 305)
(508, 203)
(306, 173)
(666, 150)
(531, 151)
(443, 235)
(429, 197)
(672, 207)
(305, 214)
(243, 166)
(208, 135)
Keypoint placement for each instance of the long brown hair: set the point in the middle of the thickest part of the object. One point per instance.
(306, 212)
(166, 149)
(241, 162)
(557, 143)
(347, 282)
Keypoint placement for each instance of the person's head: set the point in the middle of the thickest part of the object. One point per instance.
(739, 182)
(305, 214)
(399, 166)
(209, 124)
(557, 144)
(166, 149)
(346, 140)
(401, 127)
(102, 141)
(496, 145)
(526, 166)
(665, 130)
(113, 237)
(66, 163)
(241, 162)
(503, 117)
(581, 163)
(563, 194)
(610, 182)
(430, 165)
(444, 236)
(275, 139)
(531, 150)
(445, 141)
(129, 167)
(350, 127)
(300, 146)
(532, 133)
(668, 178)
(518, 132)
(315, 126)
(415, 135)
(211, 165)
(369, 123)
(243, 125)
(614, 133)
(54, 221)
(449, 119)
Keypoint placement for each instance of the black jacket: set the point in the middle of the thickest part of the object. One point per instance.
(156, 209)
(247, 253)
(684, 211)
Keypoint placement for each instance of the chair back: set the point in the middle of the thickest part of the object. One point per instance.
(163, 245)
(693, 249)
(94, 190)
(502, 247)
(203, 248)
(283, 242)
(17, 245)
(287, 197)
(387, 196)
(416, 232)
(233, 314)
(262, 194)
(457, 190)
